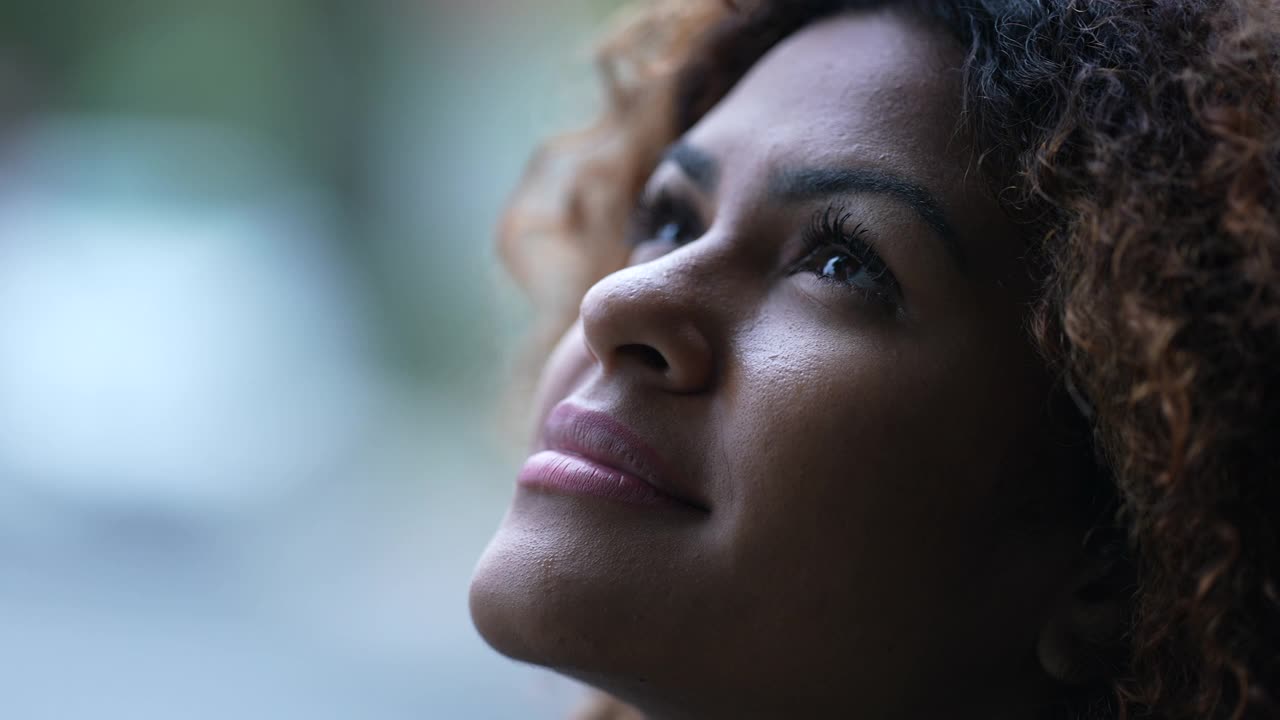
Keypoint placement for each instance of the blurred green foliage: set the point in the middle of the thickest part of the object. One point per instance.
(413, 117)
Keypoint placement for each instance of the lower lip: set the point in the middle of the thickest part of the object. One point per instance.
(574, 475)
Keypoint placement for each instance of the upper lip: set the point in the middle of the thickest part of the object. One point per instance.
(600, 438)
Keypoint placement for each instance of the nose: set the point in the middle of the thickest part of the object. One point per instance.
(648, 324)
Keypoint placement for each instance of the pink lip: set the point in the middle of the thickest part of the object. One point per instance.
(589, 453)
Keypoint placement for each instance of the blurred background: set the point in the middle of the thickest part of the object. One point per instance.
(253, 344)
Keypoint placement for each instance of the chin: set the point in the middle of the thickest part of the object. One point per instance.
(585, 588)
(533, 601)
(504, 604)
(526, 611)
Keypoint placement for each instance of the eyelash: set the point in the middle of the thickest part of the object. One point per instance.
(827, 239)
(653, 215)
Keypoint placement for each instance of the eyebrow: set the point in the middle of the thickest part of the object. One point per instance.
(698, 165)
(806, 183)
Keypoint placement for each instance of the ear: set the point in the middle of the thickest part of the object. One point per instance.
(1083, 640)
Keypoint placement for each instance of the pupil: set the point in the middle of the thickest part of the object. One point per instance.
(836, 267)
(670, 232)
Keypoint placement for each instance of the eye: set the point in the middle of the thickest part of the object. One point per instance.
(664, 219)
(838, 252)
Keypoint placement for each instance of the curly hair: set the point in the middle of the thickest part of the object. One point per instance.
(1139, 141)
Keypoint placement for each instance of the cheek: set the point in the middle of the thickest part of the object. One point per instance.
(862, 447)
(862, 482)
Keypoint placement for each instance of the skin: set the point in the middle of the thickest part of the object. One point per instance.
(866, 466)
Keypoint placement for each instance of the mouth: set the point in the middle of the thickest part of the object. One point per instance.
(589, 453)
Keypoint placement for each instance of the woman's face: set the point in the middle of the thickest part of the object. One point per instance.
(818, 355)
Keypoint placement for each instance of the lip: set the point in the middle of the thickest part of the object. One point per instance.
(587, 452)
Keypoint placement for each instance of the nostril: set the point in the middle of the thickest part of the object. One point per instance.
(647, 355)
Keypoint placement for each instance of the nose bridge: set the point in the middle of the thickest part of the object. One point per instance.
(655, 321)
(686, 268)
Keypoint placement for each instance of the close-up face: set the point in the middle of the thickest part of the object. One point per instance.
(796, 455)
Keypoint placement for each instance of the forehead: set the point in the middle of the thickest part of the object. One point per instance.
(859, 88)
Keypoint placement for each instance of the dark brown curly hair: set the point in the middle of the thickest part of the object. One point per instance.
(1139, 141)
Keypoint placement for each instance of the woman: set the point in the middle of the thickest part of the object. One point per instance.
(924, 366)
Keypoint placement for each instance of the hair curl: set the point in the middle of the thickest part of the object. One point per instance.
(1140, 142)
